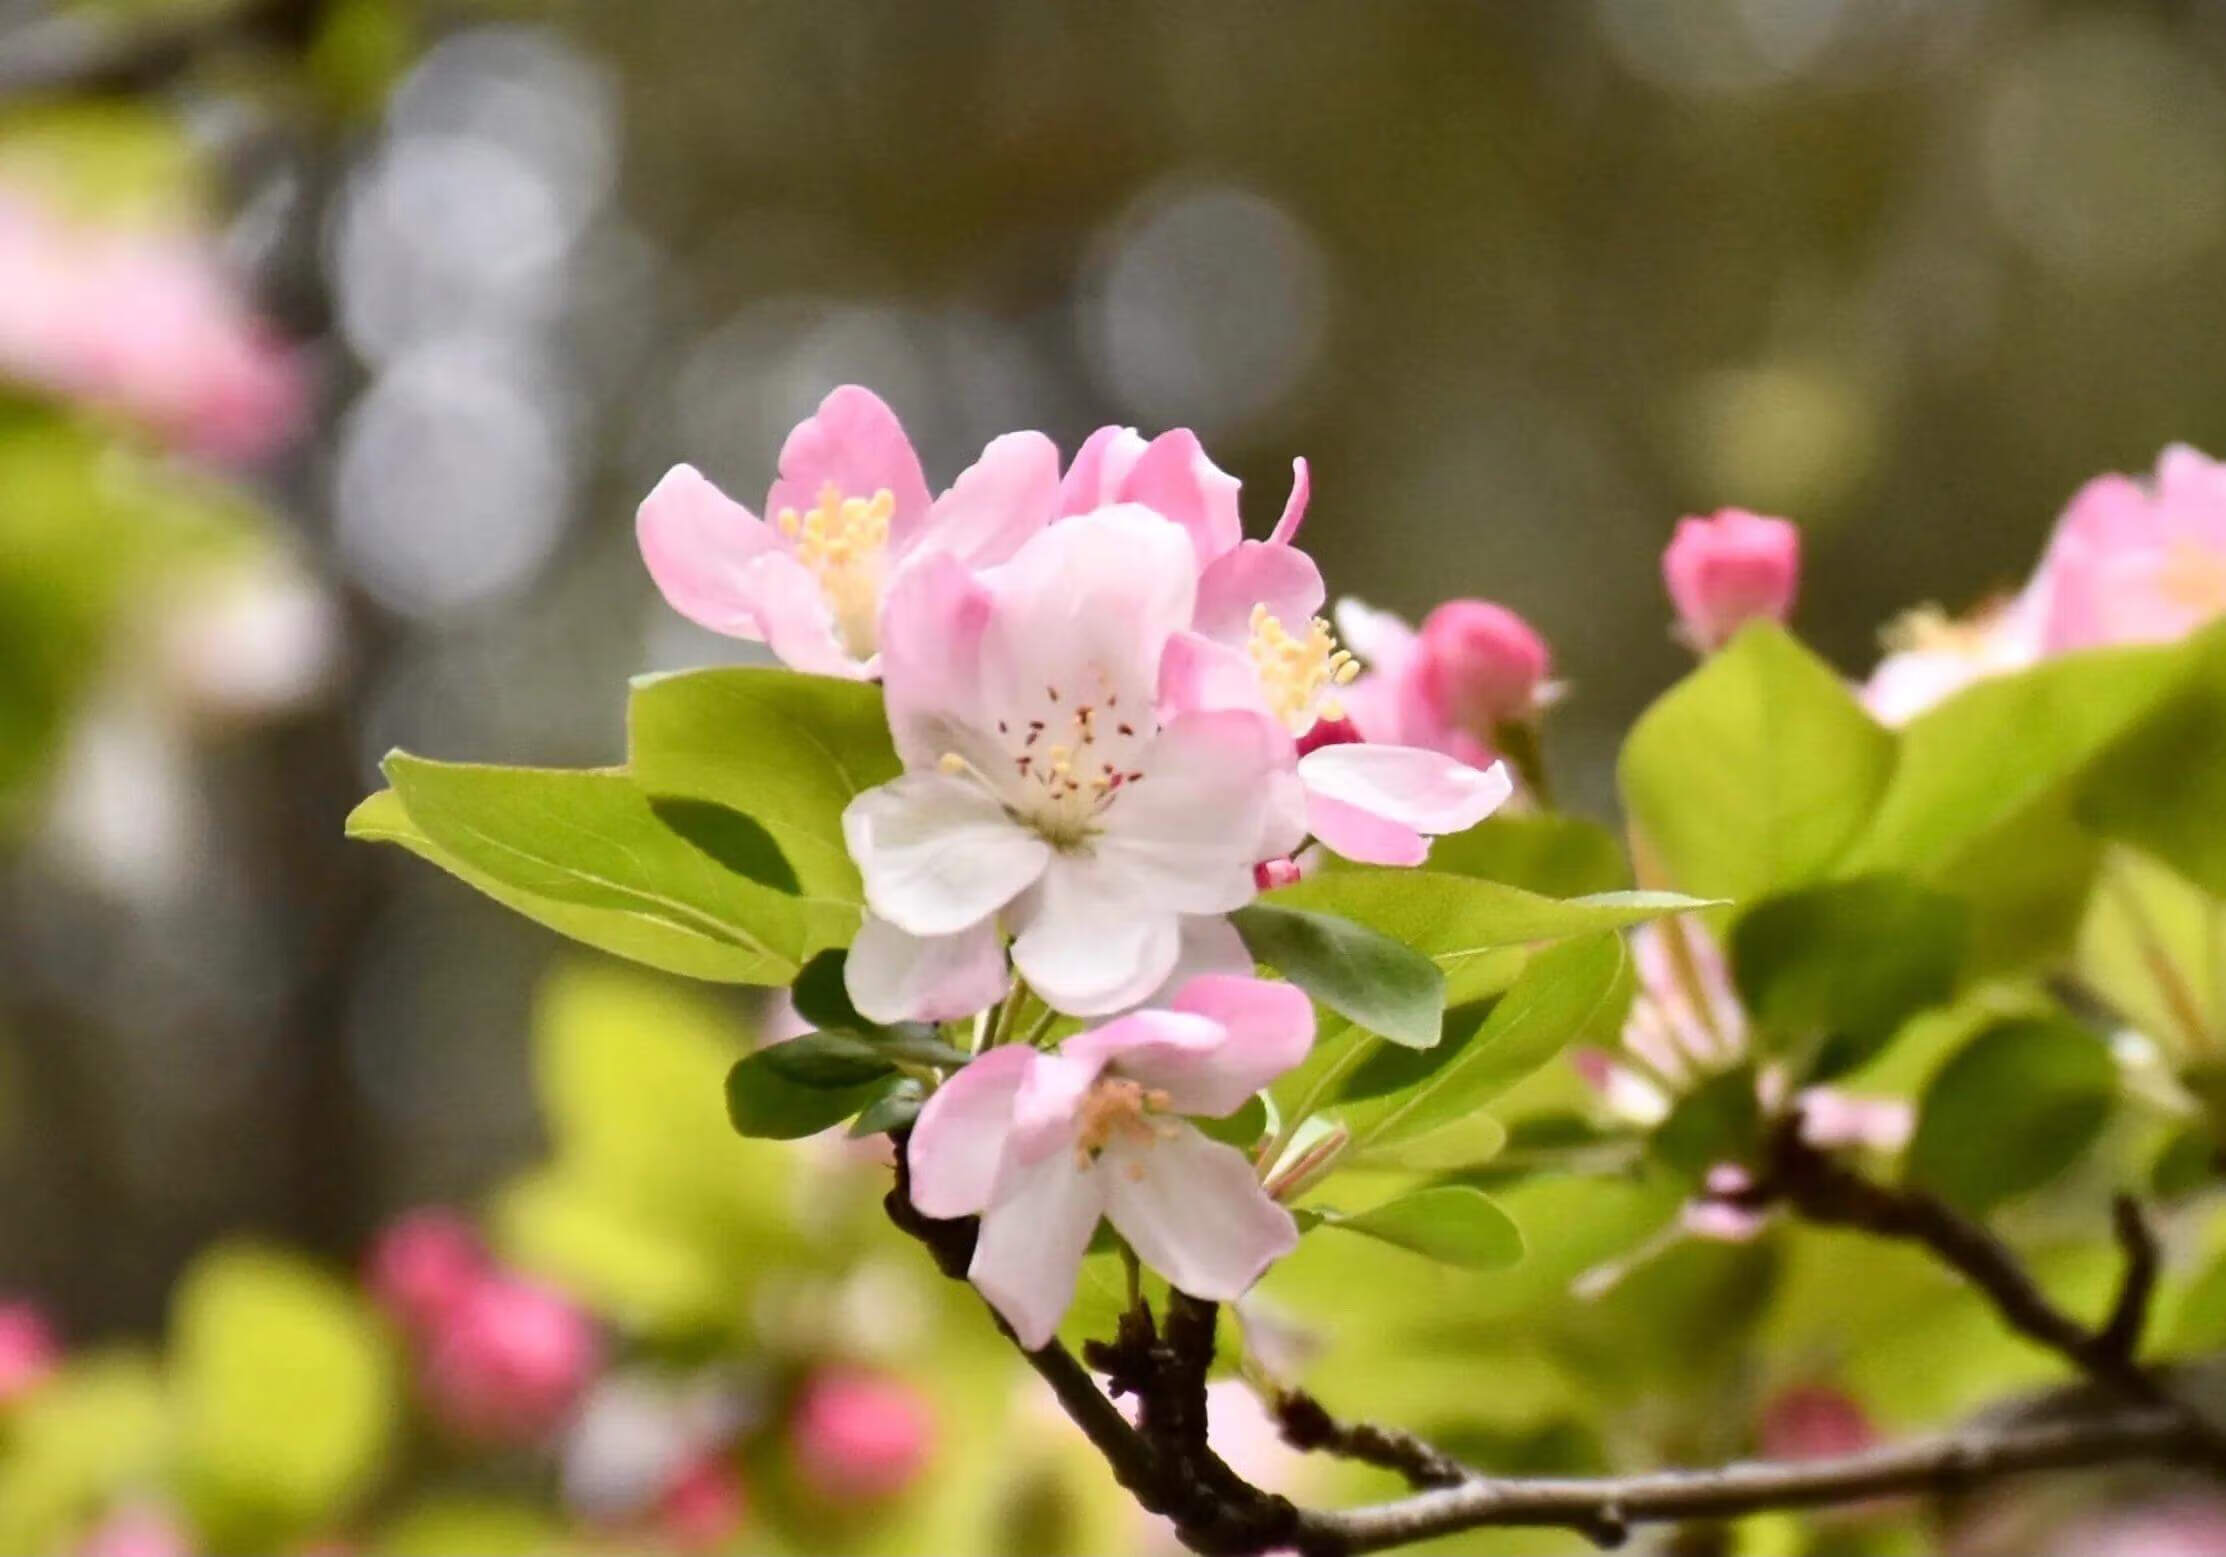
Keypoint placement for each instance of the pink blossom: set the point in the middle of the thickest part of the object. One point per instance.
(1043, 793)
(2137, 562)
(138, 1530)
(1256, 643)
(704, 1507)
(424, 1265)
(1479, 665)
(1814, 1422)
(29, 1351)
(849, 509)
(147, 325)
(510, 1362)
(1932, 656)
(1730, 569)
(860, 1435)
(1042, 1146)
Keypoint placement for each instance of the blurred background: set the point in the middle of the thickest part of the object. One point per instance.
(1525, 282)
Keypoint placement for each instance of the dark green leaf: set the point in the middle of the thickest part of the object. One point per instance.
(1367, 978)
(2010, 1110)
(1718, 1121)
(1453, 1224)
(1849, 961)
(763, 1102)
(820, 996)
(826, 1059)
(1755, 772)
(1244, 1129)
(895, 1109)
(2189, 1162)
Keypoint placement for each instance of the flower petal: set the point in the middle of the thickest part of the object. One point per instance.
(1210, 945)
(932, 627)
(997, 503)
(1379, 637)
(854, 443)
(1100, 466)
(1033, 1236)
(1363, 835)
(1087, 949)
(1424, 790)
(1257, 573)
(694, 540)
(1222, 1040)
(1199, 675)
(1194, 1211)
(938, 853)
(791, 611)
(1174, 477)
(959, 1138)
(893, 975)
(1188, 834)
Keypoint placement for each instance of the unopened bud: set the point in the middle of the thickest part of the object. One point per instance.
(1479, 666)
(510, 1362)
(1730, 569)
(860, 1435)
(28, 1350)
(423, 1265)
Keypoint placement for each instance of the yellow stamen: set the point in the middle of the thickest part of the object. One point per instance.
(1119, 1109)
(843, 541)
(1297, 672)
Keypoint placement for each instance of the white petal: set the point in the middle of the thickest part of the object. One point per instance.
(960, 1136)
(1032, 1241)
(895, 976)
(1187, 835)
(1086, 948)
(938, 853)
(1425, 790)
(1193, 1210)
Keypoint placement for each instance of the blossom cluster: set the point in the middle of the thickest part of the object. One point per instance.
(1118, 719)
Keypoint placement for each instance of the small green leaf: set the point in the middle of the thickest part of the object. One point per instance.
(2188, 1163)
(895, 1109)
(1847, 962)
(1367, 978)
(1244, 1129)
(2162, 786)
(826, 1060)
(1466, 1143)
(1546, 852)
(1755, 772)
(763, 1102)
(2010, 1110)
(820, 995)
(1450, 1223)
(1718, 1121)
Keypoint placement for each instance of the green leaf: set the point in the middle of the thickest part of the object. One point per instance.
(1244, 1129)
(1565, 993)
(1718, 1121)
(286, 1393)
(585, 853)
(834, 1058)
(785, 749)
(822, 998)
(1367, 978)
(2010, 1110)
(1452, 1224)
(1847, 962)
(896, 1108)
(764, 1103)
(1467, 1143)
(1546, 852)
(2162, 787)
(1755, 772)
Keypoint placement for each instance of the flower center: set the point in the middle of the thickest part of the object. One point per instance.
(1122, 1110)
(844, 541)
(2194, 578)
(1066, 760)
(1299, 673)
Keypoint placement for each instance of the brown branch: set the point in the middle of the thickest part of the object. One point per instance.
(1306, 1424)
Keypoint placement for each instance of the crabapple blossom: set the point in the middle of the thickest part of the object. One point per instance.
(1932, 656)
(1043, 792)
(1042, 1146)
(2134, 561)
(1729, 569)
(510, 1361)
(1256, 642)
(860, 1435)
(1487, 669)
(29, 1352)
(424, 1265)
(704, 1507)
(138, 1529)
(848, 510)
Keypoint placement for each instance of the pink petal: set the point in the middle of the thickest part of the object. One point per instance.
(959, 1138)
(1087, 950)
(1424, 790)
(1257, 573)
(1187, 835)
(1294, 507)
(1223, 1040)
(1199, 675)
(1047, 1108)
(997, 503)
(932, 628)
(791, 612)
(1100, 466)
(695, 539)
(1378, 637)
(1032, 1241)
(1174, 477)
(1832, 1118)
(855, 443)
(1193, 1210)
(1364, 836)
(938, 852)
(895, 976)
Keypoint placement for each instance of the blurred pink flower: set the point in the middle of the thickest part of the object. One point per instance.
(1729, 569)
(860, 1435)
(138, 1530)
(1042, 1146)
(849, 509)
(1932, 656)
(704, 1507)
(509, 1362)
(1813, 1422)
(423, 1266)
(1043, 794)
(2134, 561)
(147, 325)
(29, 1350)
(1478, 666)
(2185, 1526)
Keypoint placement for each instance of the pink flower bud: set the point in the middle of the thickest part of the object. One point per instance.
(509, 1362)
(1813, 1422)
(1478, 666)
(1728, 570)
(137, 1530)
(704, 1507)
(860, 1435)
(1270, 874)
(424, 1265)
(28, 1350)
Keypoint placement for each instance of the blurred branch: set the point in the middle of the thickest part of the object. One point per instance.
(1165, 1462)
(86, 51)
